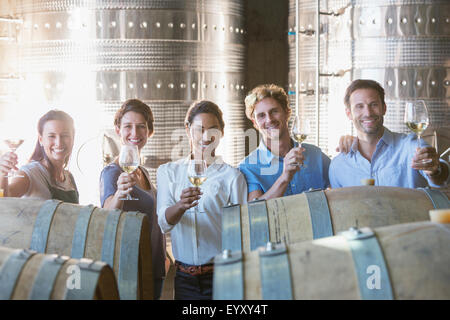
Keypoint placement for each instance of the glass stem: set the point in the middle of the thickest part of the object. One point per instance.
(418, 141)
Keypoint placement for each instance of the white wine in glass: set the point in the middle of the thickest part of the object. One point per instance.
(300, 131)
(129, 162)
(417, 120)
(197, 181)
(197, 174)
(13, 144)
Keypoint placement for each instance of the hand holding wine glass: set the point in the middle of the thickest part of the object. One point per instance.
(301, 128)
(197, 174)
(129, 162)
(417, 120)
(11, 159)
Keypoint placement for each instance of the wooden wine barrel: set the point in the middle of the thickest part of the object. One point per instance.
(28, 275)
(318, 214)
(405, 261)
(121, 239)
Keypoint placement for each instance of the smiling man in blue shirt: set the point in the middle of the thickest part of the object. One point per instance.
(272, 169)
(390, 158)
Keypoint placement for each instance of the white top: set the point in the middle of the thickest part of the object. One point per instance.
(40, 180)
(197, 238)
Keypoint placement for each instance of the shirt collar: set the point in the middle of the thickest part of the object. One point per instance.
(387, 138)
(218, 160)
(265, 155)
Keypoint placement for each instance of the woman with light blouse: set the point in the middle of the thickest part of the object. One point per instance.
(196, 236)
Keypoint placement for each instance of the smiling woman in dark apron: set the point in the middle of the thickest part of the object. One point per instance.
(45, 176)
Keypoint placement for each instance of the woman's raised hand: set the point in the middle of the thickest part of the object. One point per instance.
(125, 183)
(8, 162)
(189, 198)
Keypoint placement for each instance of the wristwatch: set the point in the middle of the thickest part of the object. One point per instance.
(439, 171)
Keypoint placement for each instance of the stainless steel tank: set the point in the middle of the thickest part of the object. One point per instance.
(404, 45)
(88, 57)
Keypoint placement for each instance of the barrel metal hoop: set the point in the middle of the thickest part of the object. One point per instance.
(42, 225)
(109, 237)
(320, 214)
(46, 276)
(80, 232)
(231, 228)
(275, 273)
(439, 200)
(89, 273)
(10, 271)
(129, 257)
(259, 224)
(228, 280)
(370, 265)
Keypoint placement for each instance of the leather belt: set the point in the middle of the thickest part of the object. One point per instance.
(194, 270)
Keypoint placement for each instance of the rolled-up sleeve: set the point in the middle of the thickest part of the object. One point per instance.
(164, 198)
(445, 183)
(252, 181)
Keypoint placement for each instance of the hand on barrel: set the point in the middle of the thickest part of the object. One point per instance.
(426, 159)
(125, 183)
(345, 143)
(189, 198)
(8, 162)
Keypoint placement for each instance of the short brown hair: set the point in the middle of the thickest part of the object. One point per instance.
(137, 106)
(204, 106)
(266, 91)
(363, 84)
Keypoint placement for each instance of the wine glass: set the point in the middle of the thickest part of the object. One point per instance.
(129, 162)
(13, 144)
(197, 174)
(417, 120)
(301, 128)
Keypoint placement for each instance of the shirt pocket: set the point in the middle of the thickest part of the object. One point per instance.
(309, 180)
(390, 176)
(215, 196)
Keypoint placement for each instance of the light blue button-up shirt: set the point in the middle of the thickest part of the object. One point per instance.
(390, 165)
(262, 168)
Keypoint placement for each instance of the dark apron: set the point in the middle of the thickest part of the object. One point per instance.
(70, 196)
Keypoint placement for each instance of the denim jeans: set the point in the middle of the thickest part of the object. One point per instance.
(189, 287)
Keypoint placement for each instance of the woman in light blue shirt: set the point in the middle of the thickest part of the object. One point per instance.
(196, 236)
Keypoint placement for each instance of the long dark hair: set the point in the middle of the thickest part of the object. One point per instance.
(204, 106)
(39, 152)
